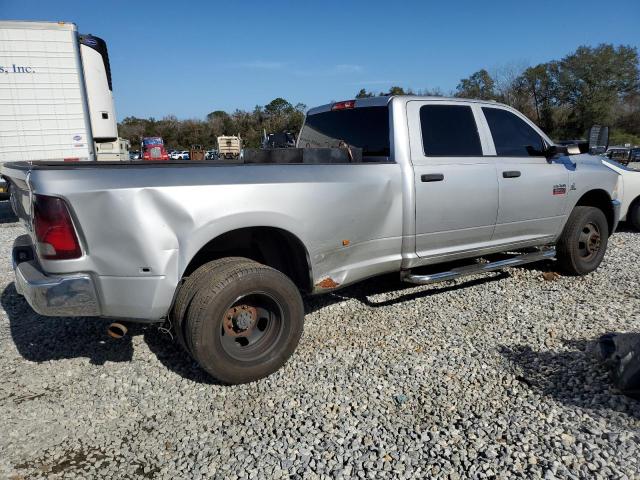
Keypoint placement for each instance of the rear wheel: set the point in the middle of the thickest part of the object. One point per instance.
(583, 241)
(188, 290)
(244, 321)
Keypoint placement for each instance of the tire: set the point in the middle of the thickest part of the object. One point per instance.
(633, 215)
(583, 242)
(244, 322)
(187, 291)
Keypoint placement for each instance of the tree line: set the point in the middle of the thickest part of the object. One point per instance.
(277, 116)
(593, 85)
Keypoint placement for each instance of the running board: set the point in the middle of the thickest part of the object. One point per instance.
(517, 259)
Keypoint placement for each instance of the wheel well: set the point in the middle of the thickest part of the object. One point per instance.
(601, 200)
(270, 246)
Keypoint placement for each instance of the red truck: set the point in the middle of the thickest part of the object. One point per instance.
(153, 149)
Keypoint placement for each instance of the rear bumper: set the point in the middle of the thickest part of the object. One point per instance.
(58, 296)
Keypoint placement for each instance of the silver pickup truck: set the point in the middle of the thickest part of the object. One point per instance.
(224, 250)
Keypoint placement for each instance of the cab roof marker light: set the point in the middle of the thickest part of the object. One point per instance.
(344, 105)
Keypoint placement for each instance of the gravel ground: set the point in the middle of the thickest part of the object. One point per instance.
(482, 378)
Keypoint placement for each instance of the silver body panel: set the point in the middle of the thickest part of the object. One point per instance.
(140, 226)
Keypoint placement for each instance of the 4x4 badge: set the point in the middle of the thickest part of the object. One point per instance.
(560, 189)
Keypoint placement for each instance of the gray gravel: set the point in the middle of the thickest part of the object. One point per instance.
(482, 378)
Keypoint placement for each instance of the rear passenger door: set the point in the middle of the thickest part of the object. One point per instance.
(456, 189)
(533, 190)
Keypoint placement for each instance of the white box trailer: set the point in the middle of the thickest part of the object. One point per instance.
(56, 99)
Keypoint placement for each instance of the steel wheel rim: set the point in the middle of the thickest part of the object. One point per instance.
(251, 327)
(589, 241)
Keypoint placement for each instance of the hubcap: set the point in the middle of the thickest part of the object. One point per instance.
(589, 241)
(251, 327)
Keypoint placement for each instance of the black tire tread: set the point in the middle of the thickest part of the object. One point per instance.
(566, 248)
(633, 214)
(209, 288)
(187, 291)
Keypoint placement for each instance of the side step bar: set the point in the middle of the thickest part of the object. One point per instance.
(515, 260)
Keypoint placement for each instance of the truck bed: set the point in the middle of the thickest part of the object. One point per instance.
(251, 156)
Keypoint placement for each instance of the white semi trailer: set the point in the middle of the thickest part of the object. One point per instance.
(56, 100)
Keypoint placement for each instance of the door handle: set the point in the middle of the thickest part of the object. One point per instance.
(432, 177)
(511, 174)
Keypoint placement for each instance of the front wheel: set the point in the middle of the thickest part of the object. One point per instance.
(633, 215)
(583, 242)
(244, 321)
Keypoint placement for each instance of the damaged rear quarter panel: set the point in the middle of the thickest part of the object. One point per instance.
(157, 219)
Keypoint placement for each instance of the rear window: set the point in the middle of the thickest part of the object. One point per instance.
(449, 131)
(366, 128)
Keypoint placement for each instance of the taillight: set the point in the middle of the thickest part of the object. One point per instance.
(343, 105)
(52, 223)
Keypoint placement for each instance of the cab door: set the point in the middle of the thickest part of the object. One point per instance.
(533, 190)
(456, 188)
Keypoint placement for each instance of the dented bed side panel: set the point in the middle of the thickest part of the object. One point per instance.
(150, 223)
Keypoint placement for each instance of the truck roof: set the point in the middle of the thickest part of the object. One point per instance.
(22, 24)
(385, 100)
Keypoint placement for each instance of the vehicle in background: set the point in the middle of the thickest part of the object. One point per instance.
(229, 147)
(134, 155)
(279, 140)
(117, 151)
(41, 120)
(211, 155)
(153, 149)
(628, 192)
(380, 185)
(619, 154)
(634, 155)
(197, 152)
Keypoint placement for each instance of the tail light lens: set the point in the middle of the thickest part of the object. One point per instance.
(54, 230)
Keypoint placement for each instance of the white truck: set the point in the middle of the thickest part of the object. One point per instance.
(223, 250)
(56, 100)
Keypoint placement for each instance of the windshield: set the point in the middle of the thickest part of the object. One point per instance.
(365, 127)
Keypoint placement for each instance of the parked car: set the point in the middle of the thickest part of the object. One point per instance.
(628, 192)
(180, 155)
(619, 154)
(385, 184)
(134, 155)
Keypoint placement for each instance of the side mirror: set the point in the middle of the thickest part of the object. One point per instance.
(598, 139)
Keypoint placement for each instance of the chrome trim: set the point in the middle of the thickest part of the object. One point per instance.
(519, 259)
(72, 295)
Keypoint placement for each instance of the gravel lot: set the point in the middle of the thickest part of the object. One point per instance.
(481, 378)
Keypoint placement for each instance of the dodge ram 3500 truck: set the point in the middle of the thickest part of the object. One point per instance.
(224, 250)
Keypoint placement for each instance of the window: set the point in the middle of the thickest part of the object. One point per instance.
(449, 130)
(512, 136)
(364, 127)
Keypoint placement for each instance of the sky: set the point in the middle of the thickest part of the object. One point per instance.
(189, 58)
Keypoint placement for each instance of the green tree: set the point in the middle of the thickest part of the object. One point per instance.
(364, 94)
(278, 106)
(480, 85)
(592, 80)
